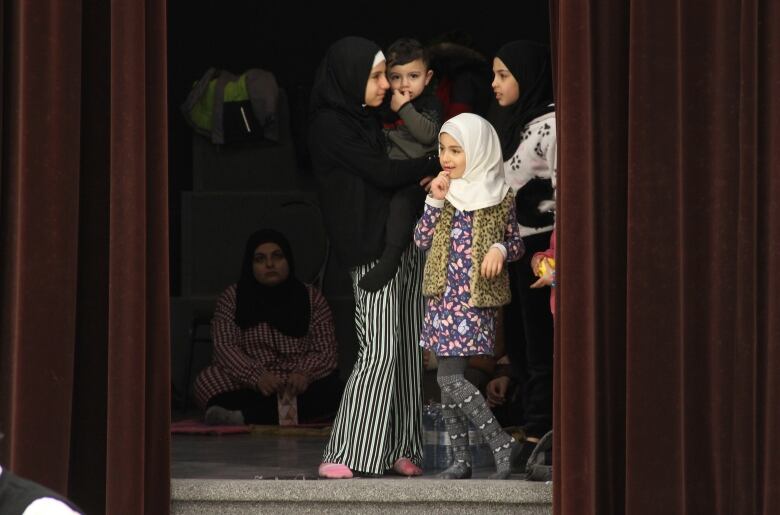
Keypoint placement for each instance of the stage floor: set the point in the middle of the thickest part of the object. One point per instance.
(256, 456)
(223, 475)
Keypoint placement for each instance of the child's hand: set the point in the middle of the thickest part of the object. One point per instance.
(440, 185)
(535, 264)
(398, 100)
(493, 263)
(544, 270)
(545, 280)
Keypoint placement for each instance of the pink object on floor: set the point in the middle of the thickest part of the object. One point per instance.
(334, 471)
(405, 467)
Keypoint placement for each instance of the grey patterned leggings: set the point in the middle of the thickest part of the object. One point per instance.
(461, 400)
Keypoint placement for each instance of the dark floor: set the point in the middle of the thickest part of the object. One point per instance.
(245, 456)
(256, 456)
(282, 455)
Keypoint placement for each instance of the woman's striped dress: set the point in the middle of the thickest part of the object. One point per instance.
(379, 419)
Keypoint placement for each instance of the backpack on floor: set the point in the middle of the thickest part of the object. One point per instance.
(539, 465)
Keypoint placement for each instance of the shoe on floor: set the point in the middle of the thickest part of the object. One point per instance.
(458, 470)
(405, 467)
(219, 416)
(334, 471)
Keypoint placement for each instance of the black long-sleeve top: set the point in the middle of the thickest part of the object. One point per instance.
(356, 182)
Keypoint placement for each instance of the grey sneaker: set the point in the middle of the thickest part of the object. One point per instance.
(458, 470)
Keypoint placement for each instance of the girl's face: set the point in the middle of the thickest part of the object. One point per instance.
(451, 156)
(377, 86)
(505, 87)
(269, 265)
(410, 78)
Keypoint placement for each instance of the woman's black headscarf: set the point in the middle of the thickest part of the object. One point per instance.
(340, 84)
(284, 306)
(530, 64)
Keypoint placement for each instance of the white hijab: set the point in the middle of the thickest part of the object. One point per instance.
(482, 184)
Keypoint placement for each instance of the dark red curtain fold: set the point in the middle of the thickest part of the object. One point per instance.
(40, 196)
(85, 353)
(667, 340)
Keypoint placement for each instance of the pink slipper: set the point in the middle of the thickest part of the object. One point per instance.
(334, 471)
(405, 467)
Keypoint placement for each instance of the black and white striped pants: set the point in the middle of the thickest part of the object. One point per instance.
(379, 419)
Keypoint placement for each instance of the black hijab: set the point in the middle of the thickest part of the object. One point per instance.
(340, 84)
(284, 306)
(530, 64)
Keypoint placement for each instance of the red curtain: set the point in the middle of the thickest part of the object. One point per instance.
(85, 391)
(667, 395)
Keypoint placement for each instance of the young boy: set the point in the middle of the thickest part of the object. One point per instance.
(411, 123)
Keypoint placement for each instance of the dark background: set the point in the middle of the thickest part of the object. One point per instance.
(289, 39)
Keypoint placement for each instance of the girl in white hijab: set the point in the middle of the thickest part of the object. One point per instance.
(470, 229)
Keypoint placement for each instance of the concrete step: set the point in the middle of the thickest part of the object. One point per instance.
(385, 496)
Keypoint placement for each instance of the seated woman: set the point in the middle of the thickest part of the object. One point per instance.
(273, 337)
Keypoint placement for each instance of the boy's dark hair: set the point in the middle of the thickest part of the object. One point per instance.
(404, 51)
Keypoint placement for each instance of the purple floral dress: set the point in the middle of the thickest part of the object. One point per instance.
(451, 326)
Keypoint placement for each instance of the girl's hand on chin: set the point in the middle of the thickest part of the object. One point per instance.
(440, 185)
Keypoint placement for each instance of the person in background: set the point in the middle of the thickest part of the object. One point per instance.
(504, 392)
(524, 116)
(273, 336)
(461, 74)
(378, 427)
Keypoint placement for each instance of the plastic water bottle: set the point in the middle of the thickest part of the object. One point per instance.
(437, 453)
